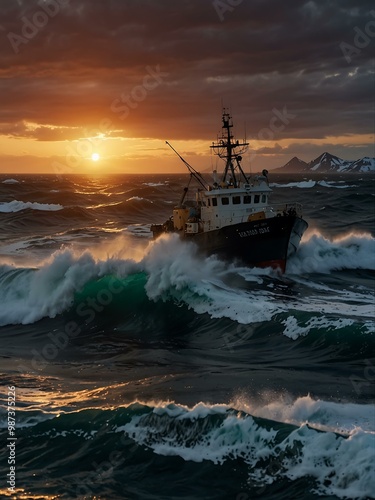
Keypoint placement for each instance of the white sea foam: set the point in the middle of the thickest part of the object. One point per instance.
(302, 184)
(50, 290)
(342, 418)
(294, 330)
(17, 206)
(197, 440)
(175, 272)
(322, 255)
(25, 418)
(199, 411)
(138, 198)
(336, 185)
(154, 184)
(10, 181)
(340, 465)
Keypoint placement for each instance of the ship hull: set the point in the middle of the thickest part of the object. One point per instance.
(262, 243)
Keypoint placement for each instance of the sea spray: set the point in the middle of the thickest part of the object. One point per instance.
(322, 255)
(177, 273)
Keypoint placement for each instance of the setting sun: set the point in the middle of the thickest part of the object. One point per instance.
(95, 157)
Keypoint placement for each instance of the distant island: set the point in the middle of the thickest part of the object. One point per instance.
(328, 163)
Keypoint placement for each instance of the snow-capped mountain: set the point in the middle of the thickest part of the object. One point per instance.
(366, 164)
(329, 163)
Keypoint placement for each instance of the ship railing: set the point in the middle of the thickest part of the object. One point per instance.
(287, 209)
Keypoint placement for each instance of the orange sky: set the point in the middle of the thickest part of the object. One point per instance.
(119, 78)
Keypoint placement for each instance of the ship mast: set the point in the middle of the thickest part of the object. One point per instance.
(230, 150)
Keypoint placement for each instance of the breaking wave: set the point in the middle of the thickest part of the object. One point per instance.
(10, 181)
(171, 271)
(323, 255)
(17, 206)
(279, 442)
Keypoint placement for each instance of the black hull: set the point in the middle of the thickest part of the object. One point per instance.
(261, 243)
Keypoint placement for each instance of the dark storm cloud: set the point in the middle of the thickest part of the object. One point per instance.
(256, 57)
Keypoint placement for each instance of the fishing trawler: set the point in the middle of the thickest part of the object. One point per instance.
(231, 216)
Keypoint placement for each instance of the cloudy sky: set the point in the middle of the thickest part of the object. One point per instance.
(117, 78)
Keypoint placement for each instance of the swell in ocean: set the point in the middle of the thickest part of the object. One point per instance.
(144, 371)
(172, 270)
(263, 449)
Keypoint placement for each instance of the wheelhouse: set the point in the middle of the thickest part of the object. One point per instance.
(220, 206)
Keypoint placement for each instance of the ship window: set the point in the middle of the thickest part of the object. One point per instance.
(256, 198)
(247, 199)
(209, 202)
(225, 201)
(236, 200)
(264, 198)
(214, 202)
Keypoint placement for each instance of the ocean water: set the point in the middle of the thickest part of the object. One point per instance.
(139, 370)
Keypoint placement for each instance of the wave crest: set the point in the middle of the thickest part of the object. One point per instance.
(18, 206)
(322, 255)
(175, 272)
